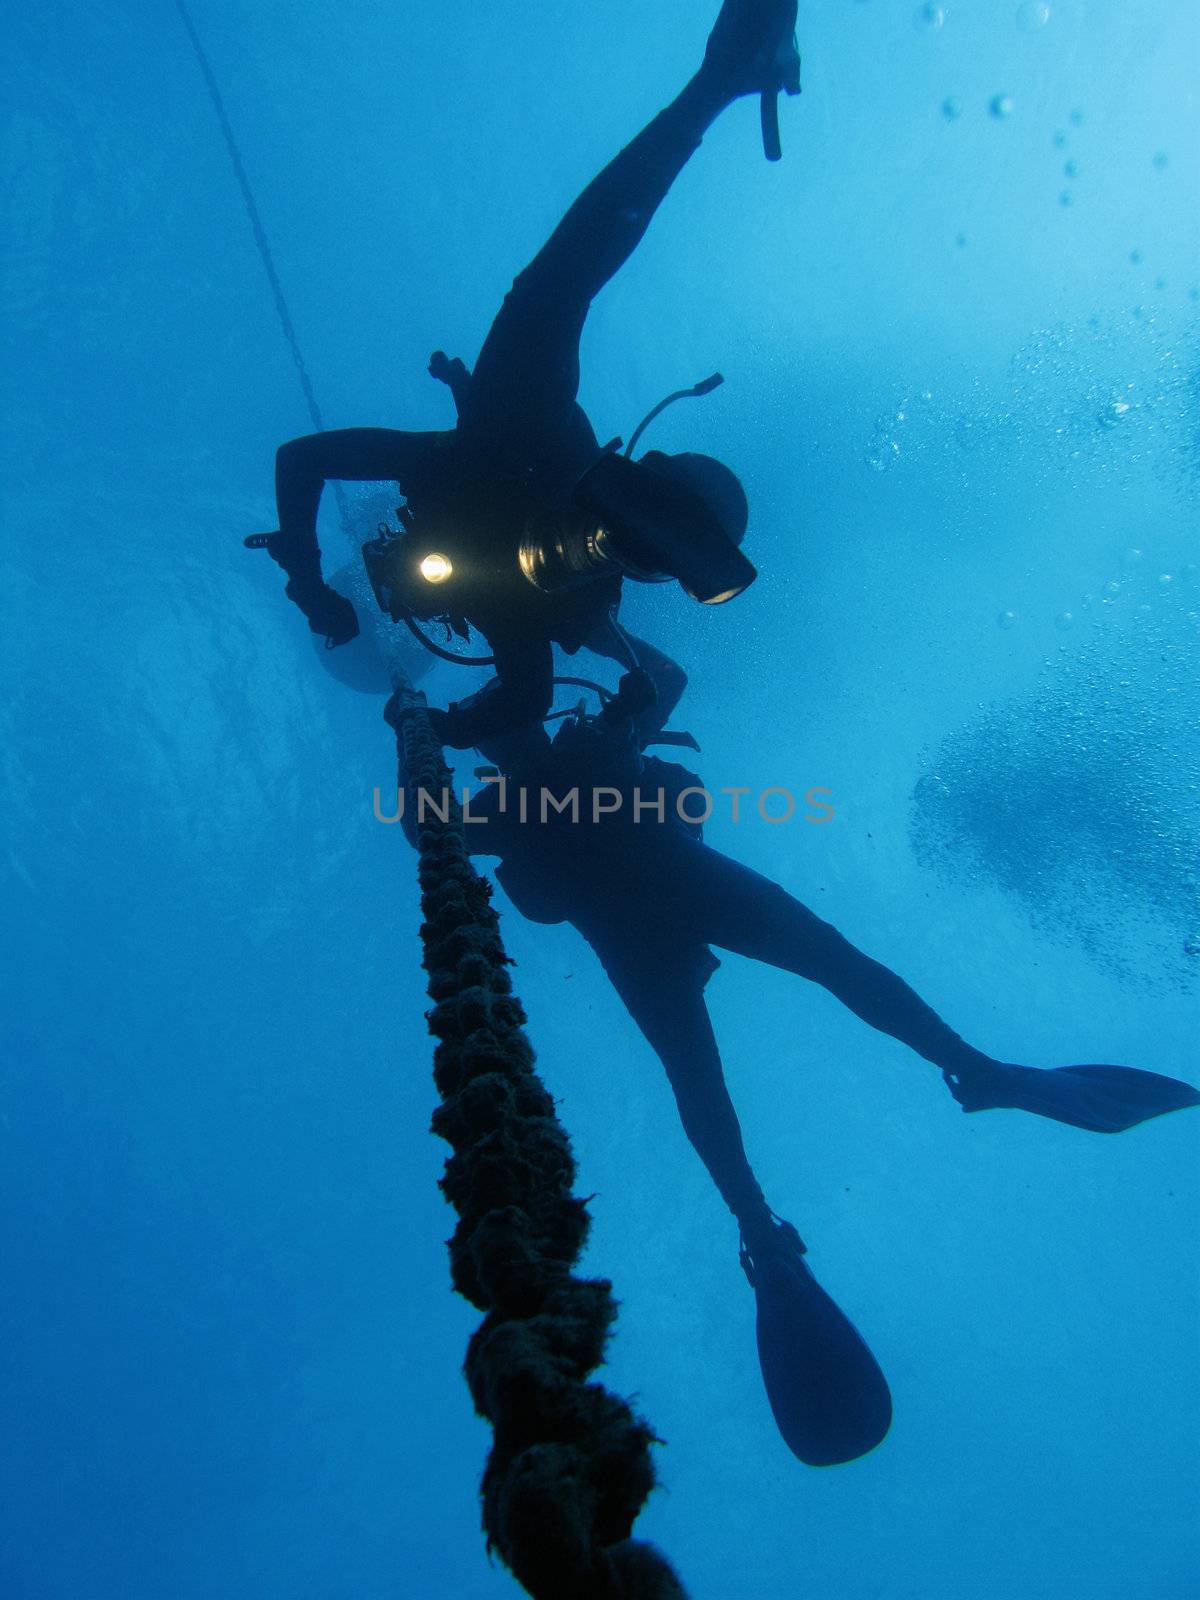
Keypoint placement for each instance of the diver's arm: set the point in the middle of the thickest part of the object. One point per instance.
(668, 677)
(302, 469)
(520, 694)
(354, 455)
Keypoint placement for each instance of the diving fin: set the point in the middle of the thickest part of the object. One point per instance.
(1102, 1099)
(830, 1400)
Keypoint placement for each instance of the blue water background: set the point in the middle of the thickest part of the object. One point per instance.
(228, 1350)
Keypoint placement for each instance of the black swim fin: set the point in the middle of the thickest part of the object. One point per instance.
(1102, 1099)
(830, 1400)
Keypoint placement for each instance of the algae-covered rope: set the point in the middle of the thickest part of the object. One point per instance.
(570, 1464)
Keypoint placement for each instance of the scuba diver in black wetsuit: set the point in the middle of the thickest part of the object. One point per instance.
(516, 522)
(650, 898)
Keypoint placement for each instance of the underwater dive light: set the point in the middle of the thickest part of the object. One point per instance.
(436, 568)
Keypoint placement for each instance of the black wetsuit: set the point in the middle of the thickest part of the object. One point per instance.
(650, 898)
(522, 441)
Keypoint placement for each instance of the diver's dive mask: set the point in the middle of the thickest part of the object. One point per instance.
(625, 518)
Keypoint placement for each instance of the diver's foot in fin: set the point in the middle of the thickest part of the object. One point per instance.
(830, 1400)
(1102, 1099)
(752, 48)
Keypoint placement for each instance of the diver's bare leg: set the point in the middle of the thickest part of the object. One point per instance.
(672, 1015)
(730, 906)
(726, 904)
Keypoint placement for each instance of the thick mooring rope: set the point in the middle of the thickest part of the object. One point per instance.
(570, 1464)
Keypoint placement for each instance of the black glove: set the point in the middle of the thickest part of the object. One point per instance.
(299, 558)
(635, 693)
(328, 612)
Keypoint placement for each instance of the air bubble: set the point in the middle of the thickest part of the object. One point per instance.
(1165, 581)
(952, 108)
(1006, 620)
(1034, 14)
(1001, 106)
(1064, 621)
(928, 18)
(1133, 556)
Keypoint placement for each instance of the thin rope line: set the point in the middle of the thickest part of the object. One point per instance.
(260, 240)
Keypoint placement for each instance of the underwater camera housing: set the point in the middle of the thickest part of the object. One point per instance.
(624, 519)
(412, 576)
(630, 520)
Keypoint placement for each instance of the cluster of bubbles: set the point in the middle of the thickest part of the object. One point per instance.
(1119, 395)
(1002, 105)
(1070, 171)
(1030, 17)
(909, 418)
(1071, 398)
(1079, 798)
(1113, 590)
(1159, 161)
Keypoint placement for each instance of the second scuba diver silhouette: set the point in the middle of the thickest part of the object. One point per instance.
(650, 898)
